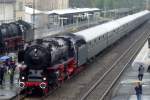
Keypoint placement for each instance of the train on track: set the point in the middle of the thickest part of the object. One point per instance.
(48, 62)
(12, 35)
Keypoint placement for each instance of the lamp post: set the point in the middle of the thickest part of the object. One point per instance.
(34, 17)
(147, 4)
(4, 11)
(104, 8)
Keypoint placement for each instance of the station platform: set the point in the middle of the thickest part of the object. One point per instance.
(125, 90)
(7, 90)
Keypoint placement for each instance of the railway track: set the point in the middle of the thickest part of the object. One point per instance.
(79, 87)
(105, 83)
(25, 97)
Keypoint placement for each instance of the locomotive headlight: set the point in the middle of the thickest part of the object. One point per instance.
(57, 72)
(44, 78)
(22, 77)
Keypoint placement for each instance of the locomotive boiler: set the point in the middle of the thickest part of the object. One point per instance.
(45, 53)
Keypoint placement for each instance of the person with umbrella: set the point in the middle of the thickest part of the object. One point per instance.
(138, 90)
(141, 72)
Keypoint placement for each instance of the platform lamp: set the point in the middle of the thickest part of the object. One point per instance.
(33, 17)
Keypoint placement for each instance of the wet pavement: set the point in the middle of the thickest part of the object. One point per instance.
(125, 89)
(7, 90)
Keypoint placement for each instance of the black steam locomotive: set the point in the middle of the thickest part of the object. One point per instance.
(12, 35)
(50, 61)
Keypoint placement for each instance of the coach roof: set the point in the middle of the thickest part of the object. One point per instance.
(94, 32)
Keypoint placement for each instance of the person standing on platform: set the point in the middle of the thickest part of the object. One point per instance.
(138, 90)
(148, 69)
(141, 72)
(1, 75)
(11, 70)
(2, 71)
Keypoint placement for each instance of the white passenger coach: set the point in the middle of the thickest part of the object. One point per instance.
(99, 37)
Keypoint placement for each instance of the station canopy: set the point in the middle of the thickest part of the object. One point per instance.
(61, 11)
(31, 10)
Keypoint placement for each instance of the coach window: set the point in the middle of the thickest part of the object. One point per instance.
(117, 30)
(90, 43)
(99, 38)
(112, 34)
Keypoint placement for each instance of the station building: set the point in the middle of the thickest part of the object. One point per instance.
(7, 10)
(48, 4)
(60, 17)
(48, 22)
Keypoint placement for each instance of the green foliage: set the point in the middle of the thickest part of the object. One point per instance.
(108, 4)
(112, 4)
